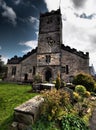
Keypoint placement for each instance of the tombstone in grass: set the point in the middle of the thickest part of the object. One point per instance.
(36, 87)
(71, 86)
(42, 86)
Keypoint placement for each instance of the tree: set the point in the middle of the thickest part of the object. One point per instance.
(3, 69)
(1, 64)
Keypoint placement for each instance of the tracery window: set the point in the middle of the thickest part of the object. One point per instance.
(48, 58)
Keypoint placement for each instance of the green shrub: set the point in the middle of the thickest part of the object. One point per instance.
(63, 84)
(44, 124)
(76, 96)
(37, 78)
(71, 122)
(56, 103)
(95, 87)
(87, 94)
(85, 80)
(93, 94)
(54, 81)
(80, 89)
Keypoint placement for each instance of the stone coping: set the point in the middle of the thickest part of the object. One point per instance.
(30, 106)
(48, 84)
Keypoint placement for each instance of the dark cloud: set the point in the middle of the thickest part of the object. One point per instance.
(85, 16)
(26, 15)
(78, 3)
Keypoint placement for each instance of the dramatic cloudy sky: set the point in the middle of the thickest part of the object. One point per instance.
(19, 22)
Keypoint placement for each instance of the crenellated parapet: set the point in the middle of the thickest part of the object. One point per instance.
(17, 60)
(29, 53)
(14, 60)
(74, 51)
(50, 13)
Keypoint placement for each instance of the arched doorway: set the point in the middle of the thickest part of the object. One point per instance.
(48, 75)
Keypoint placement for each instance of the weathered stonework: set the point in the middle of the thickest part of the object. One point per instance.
(75, 64)
(50, 57)
(29, 111)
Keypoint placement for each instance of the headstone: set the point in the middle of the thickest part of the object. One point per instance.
(42, 86)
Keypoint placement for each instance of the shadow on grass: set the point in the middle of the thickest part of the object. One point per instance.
(6, 125)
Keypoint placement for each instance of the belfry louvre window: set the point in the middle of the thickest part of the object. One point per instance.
(48, 58)
(49, 20)
(13, 70)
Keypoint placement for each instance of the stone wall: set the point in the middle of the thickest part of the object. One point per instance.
(54, 70)
(49, 42)
(54, 59)
(50, 22)
(75, 64)
(27, 66)
(15, 77)
(24, 67)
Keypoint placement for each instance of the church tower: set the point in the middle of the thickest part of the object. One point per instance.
(49, 45)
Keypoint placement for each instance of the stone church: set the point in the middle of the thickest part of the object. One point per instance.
(50, 57)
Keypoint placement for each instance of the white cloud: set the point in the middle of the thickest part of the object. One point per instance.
(52, 4)
(78, 32)
(90, 7)
(34, 21)
(4, 59)
(8, 12)
(30, 45)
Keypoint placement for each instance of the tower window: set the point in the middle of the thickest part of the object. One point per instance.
(49, 20)
(48, 58)
(14, 70)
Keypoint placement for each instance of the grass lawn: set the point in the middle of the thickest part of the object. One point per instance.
(11, 95)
